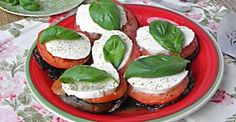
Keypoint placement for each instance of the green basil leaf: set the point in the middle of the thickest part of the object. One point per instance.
(12, 2)
(114, 50)
(57, 32)
(167, 35)
(106, 14)
(30, 5)
(156, 66)
(84, 73)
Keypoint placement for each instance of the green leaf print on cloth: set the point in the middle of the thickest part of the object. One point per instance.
(14, 28)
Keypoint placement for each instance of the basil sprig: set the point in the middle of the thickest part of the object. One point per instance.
(57, 32)
(84, 73)
(11, 2)
(167, 35)
(106, 14)
(156, 66)
(114, 50)
(30, 5)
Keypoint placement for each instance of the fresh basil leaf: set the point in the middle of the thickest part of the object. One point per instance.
(167, 35)
(30, 5)
(57, 32)
(84, 73)
(106, 14)
(156, 66)
(12, 2)
(114, 50)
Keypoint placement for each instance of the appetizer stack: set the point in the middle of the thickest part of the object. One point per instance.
(108, 58)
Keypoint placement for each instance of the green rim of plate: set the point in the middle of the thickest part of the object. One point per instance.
(176, 116)
(48, 7)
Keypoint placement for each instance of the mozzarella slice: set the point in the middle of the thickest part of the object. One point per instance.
(146, 41)
(97, 49)
(86, 23)
(70, 49)
(85, 90)
(189, 35)
(157, 85)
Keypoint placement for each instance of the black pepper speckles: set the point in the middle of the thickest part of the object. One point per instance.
(68, 49)
(99, 87)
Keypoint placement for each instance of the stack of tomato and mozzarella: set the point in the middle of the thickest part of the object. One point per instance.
(104, 60)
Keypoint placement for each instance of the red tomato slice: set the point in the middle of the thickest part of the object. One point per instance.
(131, 26)
(144, 52)
(153, 99)
(57, 88)
(189, 50)
(56, 61)
(120, 91)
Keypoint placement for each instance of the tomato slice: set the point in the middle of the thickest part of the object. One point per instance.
(120, 91)
(153, 99)
(131, 26)
(92, 36)
(56, 61)
(189, 50)
(144, 52)
(57, 88)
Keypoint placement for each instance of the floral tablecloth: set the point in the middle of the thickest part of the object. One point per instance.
(18, 104)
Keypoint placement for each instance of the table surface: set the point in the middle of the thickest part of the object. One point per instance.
(8, 18)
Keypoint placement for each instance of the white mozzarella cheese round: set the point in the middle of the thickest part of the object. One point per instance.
(157, 85)
(189, 35)
(84, 20)
(146, 41)
(97, 49)
(69, 49)
(85, 90)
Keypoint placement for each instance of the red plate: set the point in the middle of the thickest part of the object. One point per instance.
(207, 70)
